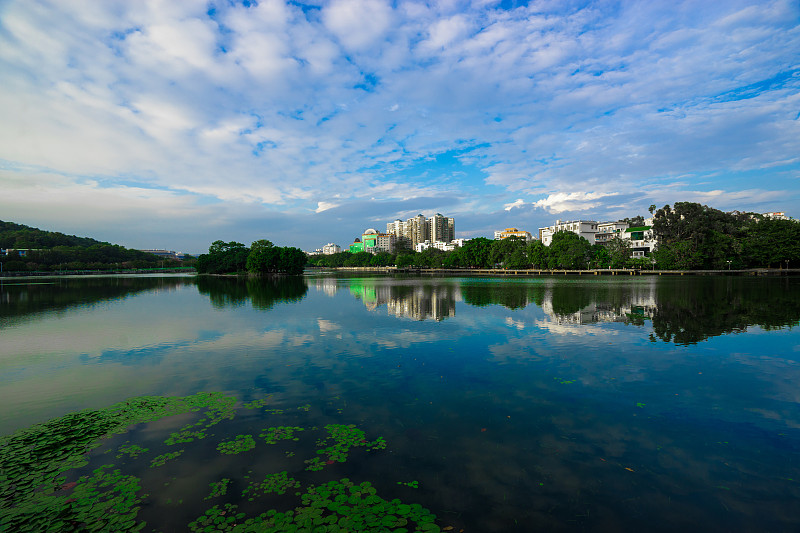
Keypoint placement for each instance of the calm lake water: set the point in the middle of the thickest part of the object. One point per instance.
(543, 404)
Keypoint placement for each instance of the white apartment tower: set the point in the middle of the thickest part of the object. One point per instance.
(418, 229)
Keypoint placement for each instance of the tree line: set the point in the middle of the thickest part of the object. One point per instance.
(693, 236)
(690, 236)
(262, 257)
(567, 251)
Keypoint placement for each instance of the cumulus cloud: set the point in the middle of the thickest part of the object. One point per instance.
(282, 107)
(573, 201)
(519, 202)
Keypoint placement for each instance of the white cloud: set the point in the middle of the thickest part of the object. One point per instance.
(282, 109)
(517, 203)
(324, 206)
(573, 201)
(357, 23)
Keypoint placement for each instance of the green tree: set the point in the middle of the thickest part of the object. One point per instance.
(264, 257)
(619, 252)
(770, 242)
(503, 249)
(223, 258)
(404, 260)
(601, 258)
(382, 259)
(569, 250)
(476, 253)
(538, 254)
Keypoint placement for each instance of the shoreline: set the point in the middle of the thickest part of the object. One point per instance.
(536, 272)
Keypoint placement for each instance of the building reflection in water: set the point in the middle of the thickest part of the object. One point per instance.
(633, 304)
(417, 301)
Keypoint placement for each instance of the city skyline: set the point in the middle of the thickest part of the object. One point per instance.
(170, 125)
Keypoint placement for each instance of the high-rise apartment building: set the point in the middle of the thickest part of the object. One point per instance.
(419, 229)
(443, 229)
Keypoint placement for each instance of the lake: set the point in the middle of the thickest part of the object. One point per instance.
(541, 404)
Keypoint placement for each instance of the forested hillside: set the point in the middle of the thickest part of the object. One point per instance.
(19, 236)
(50, 251)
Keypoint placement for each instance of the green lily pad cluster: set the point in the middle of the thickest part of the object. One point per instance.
(334, 507)
(272, 435)
(105, 501)
(33, 460)
(222, 409)
(161, 460)
(409, 484)
(273, 483)
(256, 404)
(35, 464)
(218, 488)
(241, 443)
(341, 438)
(131, 450)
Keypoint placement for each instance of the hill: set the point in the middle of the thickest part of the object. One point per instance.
(50, 251)
(19, 236)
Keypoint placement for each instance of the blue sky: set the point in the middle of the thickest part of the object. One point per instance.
(174, 124)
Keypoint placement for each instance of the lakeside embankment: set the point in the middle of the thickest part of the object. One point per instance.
(532, 272)
(546, 272)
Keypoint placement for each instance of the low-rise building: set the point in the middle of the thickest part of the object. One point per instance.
(357, 246)
(375, 242)
(608, 230)
(439, 245)
(642, 239)
(330, 249)
(513, 232)
(584, 228)
(18, 252)
(165, 254)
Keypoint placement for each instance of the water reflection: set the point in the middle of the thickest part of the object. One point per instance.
(403, 298)
(540, 405)
(263, 293)
(681, 310)
(26, 298)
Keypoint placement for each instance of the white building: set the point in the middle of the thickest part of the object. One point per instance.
(420, 229)
(608, 230)
(330, 249)
(513, 232)
(642, 239)
(584, 228)
(778, 215)
(439, 245)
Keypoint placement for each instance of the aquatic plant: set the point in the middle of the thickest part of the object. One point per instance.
(273, 483)
(273, 434)
(336, 506)
(218, 488)
(241, 443)
(336, 446)
(221, 409)
(257, 404)
(161, 460)
(33, 460)
(131, 450)
(35, 464)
